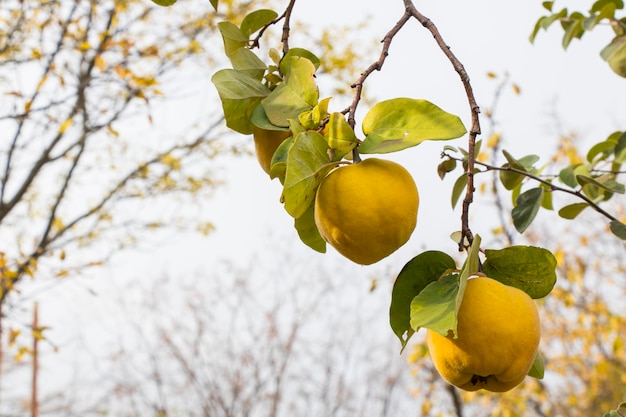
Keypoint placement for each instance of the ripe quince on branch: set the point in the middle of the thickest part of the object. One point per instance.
(498, 333)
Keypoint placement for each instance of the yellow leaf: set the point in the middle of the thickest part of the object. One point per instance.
(171, 161)
(493, 140)
(100, 63)
(516, 89)
(23, 350)
(38, 333)
(13, 334)
(113, 131)
(491, 74)
(65, 125)
(62, 273)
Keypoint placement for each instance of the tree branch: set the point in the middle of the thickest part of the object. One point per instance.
(466, 232)
(549, 184)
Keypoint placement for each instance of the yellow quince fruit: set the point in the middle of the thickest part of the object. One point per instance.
(367, 210)
(265, 144)
(498, 336)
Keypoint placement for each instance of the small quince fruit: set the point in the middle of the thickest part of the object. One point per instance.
(367, 210)
(498, 337)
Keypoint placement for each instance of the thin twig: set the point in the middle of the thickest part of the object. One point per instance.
(376, 66)
(550, 185)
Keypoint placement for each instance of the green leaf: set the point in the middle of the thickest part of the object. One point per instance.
(604, 149)
(606, 184)
(256, 20)
(260, 120)
(572, 211)
(602, 4)
(240, 94)
(470, 267)
(341, 137)
(214, 4)
(296, 94)
(446, 166)
(618, 229)
(308, 232)
(307, 165)
(573, 28)
(400, 123)
(312, 119)
(620, 147)
(165, 3)
(278, 166)
(537, 370)
(548, 5)
(529, 268)
(546, 202)
(615, 54)
(509, 179)
(298, 53)
(527, 207)
(246, 61)
(457, 190)
(435, 307)
(232, 36)
(567, 175)
(420, 271)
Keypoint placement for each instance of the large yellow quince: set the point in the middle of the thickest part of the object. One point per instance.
(265, 144)
(498, 336)
(367, 210)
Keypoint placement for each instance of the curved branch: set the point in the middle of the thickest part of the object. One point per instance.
(466, 233)
(376, 66)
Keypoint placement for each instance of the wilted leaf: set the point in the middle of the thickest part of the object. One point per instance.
(420, 271)
(529, 268)
(400, 123)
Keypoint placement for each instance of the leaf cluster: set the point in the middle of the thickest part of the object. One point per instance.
(284, 96)
(593, 181)
(429, 289)
(576, 24)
